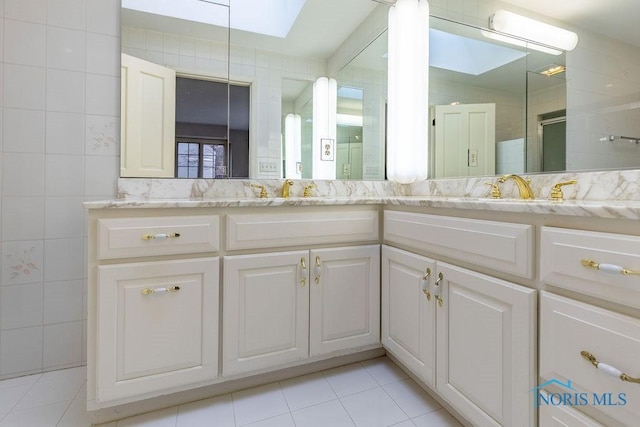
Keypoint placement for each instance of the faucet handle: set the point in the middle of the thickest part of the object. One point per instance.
(307, 190)
(495, 190)
(263, 190)
(556, 191)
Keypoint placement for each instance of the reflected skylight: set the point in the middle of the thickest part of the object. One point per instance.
(466, 55)
(269, 17)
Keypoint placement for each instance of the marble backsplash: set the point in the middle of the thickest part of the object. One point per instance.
(605, 185)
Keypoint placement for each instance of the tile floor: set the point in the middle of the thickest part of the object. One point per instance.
(368, 394)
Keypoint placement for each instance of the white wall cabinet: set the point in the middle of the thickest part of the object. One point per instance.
(476, 331)
(157, 326)
(283, 307)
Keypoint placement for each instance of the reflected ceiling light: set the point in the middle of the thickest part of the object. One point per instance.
(553, 70)
(408, 91)
(293, 145)
(530, 29)
(325, 108)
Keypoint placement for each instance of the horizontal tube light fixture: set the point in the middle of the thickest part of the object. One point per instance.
(529, 29)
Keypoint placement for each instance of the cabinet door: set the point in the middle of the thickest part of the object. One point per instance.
(408, 317)
(157, 326)
(265, 310)
(486, 334)
(345, 298)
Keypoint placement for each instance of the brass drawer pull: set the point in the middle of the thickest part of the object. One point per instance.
(318, 270)
(437, 290)
(160, 236)
(303, 272)
(149, 291)
(608, 369)
(425, 284)
(608, 268)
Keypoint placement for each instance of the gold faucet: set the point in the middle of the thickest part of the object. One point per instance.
(307, 190)
(526, 193)
(556, 191)
(285, 188)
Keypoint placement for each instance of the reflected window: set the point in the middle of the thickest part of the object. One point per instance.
(197, 159)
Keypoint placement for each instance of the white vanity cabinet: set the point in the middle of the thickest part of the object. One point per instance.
(469, 336)
(153, 305)
(284, 307)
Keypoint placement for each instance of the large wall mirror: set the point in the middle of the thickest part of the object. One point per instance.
(537, 115)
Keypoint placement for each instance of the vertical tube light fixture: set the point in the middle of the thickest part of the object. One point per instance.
(325, 106)
(408, 86)
(293, 145)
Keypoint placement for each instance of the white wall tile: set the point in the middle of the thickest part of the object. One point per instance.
(101, 175)
(20, 306)
(103, 17)
(22, 262)
(64, 174)
(22, 174)
(100, 58)
(103, 95)
(63, 217)
(62, 345)
(63, 259)
(102, 135)
(22, 218)
(65, 91)
(26, 10)
(65, 49)
(24, 43)
(21, 350)
(24, 131)
(62, 301)
(24, 86)
(65, 133)
(67, 13)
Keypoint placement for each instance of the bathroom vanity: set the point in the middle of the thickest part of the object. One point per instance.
(495, 307)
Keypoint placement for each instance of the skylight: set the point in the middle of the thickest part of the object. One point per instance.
(269, 17)
(466, 55)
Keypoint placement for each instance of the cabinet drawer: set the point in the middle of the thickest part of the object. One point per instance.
(156, 326)
(551, 415)
(141, 237)
(561, 254)
(281, 230)
(501, 246)
(569, 327)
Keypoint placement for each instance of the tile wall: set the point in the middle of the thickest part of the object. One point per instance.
(60, 132)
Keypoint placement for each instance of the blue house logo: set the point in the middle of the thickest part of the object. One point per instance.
(569, 396)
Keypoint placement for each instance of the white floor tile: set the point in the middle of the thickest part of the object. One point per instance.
(440, 418)
(52, 389)
(10, 396)
(373, 408)
(41, 416)
(27, 379)
(411, 398)
(217, 411)
(407, 423)
(384, 371)
(326, 414)
(258, 403)
(76, 414)
(279, 421)
(307, 390)
(162, 418)
(349, 379)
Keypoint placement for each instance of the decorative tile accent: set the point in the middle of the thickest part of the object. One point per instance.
(22, 262)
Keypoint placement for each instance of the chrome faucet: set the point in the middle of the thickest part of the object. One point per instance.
(526, 193)
(285, 188)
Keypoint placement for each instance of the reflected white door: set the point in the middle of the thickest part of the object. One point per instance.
(465, 140)
(148, 114)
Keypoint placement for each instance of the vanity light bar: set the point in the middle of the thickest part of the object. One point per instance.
(530, 29)
(552, 71)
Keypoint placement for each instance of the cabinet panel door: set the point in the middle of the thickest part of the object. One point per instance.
(157, 324)
(486, 334)
(265, 310)
(408, 317)
(345, 298)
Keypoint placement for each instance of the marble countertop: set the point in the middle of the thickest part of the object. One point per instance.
(580, 208)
